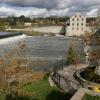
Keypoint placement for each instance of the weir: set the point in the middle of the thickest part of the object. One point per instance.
(8, 34)
(6, 37)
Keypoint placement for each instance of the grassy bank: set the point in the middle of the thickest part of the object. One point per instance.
(89, 97)
(40, 90)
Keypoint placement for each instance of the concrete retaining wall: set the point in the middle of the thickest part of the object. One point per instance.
(49, 29)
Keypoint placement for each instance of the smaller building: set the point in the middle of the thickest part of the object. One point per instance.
(28, 24)
(77, 25)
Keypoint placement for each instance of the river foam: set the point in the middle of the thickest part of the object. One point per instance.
(12, 39)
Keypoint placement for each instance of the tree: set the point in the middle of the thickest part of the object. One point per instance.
(11, 63)
(93, 51)
(72, 55)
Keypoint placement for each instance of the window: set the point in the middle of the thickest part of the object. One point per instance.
(77, 24)
(75, 16)
(72, 24)
(77, 28)
(82, 19)
(82, 24)
(77, 19)
(73, 19)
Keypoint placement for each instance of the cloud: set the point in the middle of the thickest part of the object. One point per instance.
(48, 7)
(52, 4)
(92, 13)
(5, 11)
(31, 12)
(48, 4)
(57, 12)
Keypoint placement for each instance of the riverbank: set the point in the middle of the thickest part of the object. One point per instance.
(40, 90)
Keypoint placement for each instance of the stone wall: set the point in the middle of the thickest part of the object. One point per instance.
(48, 29)
(51, 29)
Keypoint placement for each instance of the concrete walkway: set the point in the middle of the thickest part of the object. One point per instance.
(81, 92)
(68, 82)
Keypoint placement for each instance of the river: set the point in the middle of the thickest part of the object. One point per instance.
(43, 51)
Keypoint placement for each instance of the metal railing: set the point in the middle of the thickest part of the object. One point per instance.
(59, 65)
(57, 78)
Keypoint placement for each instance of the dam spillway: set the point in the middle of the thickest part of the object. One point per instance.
(6, 37)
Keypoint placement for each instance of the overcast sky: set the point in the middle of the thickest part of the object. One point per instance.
(45, 8)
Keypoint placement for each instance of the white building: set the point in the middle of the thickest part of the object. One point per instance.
(98, 13)
(28, 24)
(77, 25)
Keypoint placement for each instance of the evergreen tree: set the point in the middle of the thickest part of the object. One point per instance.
(71, 55)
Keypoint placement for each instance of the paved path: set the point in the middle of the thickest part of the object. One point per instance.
(68, 82)
(81, 92)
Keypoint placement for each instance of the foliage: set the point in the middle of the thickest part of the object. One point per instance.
(89, 74)
(89, 97)
(92, 43)
(43, 91)
(18, 22)
(16, 97)
(11, 66)
(72, 55)
(38, 90)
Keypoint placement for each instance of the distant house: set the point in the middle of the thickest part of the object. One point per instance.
(77, 25)
(28, 24)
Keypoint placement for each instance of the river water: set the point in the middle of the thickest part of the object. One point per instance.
(43, 51)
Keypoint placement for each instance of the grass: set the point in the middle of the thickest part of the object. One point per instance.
(43, 91)
(40, 90)
(2, 96)
(89, 97)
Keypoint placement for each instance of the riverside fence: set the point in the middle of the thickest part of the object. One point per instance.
(62, 81)
(60, 64)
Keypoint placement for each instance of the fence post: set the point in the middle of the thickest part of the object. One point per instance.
(62, 63)
(59, 80)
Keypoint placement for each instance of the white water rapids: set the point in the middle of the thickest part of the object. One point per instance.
(12, 39)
